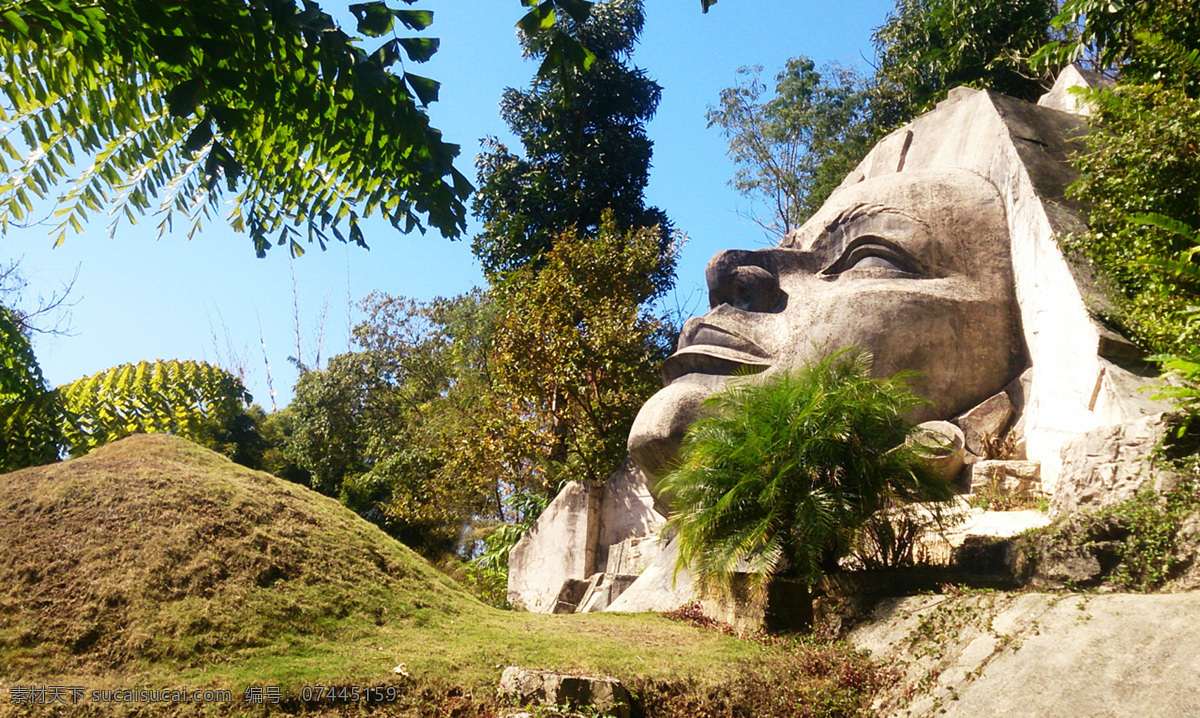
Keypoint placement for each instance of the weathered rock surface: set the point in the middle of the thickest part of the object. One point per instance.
(1039, 655)
(1107, 465)
(547, 688)
(1009, 479)
(603, 589)
(945, 459)
(561, 546)
(659, 587)
(1187, 556)
(783, 604)
(589, 528)
(633, 555)
(1060, 96)
(983, 426)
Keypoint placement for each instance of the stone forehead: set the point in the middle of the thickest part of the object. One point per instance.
(931, 198)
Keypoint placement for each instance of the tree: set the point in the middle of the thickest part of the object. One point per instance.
(451, 408)
(576, 351)
(1117, 39)
(191, 399)
(586, 149)
(394, 429)
(1141, 160)
(795, 148)
(31, 415)
(779, 473)
(928, 47)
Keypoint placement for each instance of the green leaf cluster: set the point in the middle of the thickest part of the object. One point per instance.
(575, 350)
(168, 106)
(191, 399)
(928, 47)
(396, 430)
(1110, 37)
(1140, 180)
(781, 472)
(450, 408)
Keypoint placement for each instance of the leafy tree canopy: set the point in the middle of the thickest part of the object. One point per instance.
(451, 408)
(1111, 37)
(394, 429)
(576, 351)
(31, 416)
(586, 149)
(191, 399)
(928, 47)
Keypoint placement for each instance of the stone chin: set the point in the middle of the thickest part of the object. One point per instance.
(658, 430)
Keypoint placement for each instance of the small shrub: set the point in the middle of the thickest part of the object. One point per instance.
(1148, 556)
(782, 473)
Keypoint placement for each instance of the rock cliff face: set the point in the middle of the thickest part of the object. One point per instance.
(1038, 655)
(1045, 405)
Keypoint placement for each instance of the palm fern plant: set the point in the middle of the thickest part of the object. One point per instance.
(779, 474)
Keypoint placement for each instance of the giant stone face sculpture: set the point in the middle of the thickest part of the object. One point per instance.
(913, 267)
(939, 253)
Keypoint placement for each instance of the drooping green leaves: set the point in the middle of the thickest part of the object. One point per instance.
(168, 107)
(553, 36)
(419, 49)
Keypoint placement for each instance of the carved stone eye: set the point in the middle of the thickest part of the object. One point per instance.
(867, 254)
(873, 261)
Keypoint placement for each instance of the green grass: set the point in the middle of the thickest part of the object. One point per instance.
(155, 562)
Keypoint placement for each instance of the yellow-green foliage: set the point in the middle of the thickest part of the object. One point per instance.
(191, 399)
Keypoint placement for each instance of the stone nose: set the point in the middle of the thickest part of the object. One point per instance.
(737, 279)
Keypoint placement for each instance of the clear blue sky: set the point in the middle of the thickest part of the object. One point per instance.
(138, 298)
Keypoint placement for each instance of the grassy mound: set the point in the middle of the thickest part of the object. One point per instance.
(154, 549)
(155, 562)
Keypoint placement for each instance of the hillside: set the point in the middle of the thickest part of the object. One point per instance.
(153, 561)
(154, 548)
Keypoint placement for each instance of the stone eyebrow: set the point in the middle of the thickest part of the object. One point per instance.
(862, 211)
(847, 218)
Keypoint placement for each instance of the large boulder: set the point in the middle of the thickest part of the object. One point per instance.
(548, 688)
(1110, 464)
